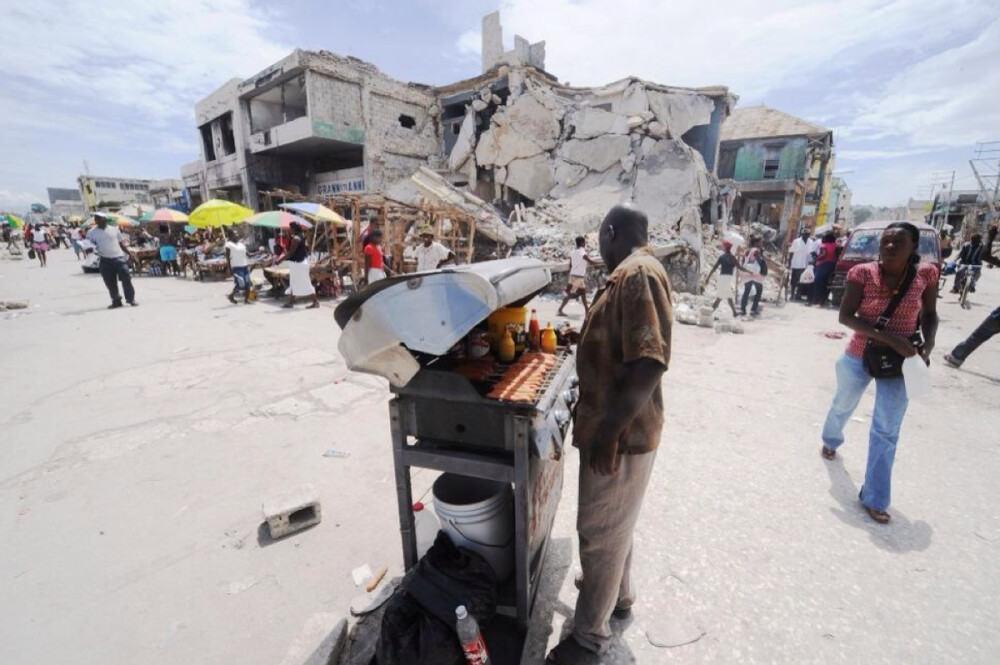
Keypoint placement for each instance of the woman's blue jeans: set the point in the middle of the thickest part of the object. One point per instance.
(887, 418)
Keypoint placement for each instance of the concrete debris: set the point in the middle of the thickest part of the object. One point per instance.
(679, 111)
(570, 154)
(433, 188)
(590, 123)
(686, 314)
(361, 575)
(320, 642)
(532, 177)
(465, 145)
(705, 317)
(292, 512)
(597, 154)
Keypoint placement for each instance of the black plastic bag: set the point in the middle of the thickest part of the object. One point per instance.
(418, 627)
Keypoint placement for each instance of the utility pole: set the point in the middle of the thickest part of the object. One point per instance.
(986, 167)
(939, 178)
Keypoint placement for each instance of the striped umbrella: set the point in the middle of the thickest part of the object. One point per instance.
(163, 216)
(276, 219)
(318, 212)
(13, 221)
(115, 220)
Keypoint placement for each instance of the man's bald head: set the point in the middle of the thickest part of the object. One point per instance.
(624, 228)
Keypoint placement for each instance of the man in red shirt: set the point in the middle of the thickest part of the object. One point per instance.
(375, 268)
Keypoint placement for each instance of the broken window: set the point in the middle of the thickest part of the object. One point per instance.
(456, 128)
(407, 121)
(772, 160)
(228, 138)
(206, 142)
(278, 105)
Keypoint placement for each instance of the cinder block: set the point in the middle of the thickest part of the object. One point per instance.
(293, 511)
(320, 642)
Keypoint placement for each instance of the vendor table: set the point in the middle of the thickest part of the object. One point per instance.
(140, 257)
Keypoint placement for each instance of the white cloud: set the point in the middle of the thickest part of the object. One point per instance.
(470, 42)
(18, 202)
(116, 82)
(949, 99)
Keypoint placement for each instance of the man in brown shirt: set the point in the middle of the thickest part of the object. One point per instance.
(623, 352)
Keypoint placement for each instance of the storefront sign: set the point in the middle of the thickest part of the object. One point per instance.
(337, 182)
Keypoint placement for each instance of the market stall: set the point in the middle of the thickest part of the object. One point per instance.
(469, 412)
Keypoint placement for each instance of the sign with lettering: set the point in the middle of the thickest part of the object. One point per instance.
(338, 182)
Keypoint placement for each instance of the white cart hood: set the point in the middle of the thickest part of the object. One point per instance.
(429, 313)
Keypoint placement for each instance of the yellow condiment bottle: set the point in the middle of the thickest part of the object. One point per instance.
(505, 349)
(548, 339)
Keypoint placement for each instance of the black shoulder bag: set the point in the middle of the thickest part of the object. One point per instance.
(881, 360)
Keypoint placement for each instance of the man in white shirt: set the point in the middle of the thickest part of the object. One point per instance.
(577, 284)
(431, 254)
(239, 266)
(113, 263)
(798, 259)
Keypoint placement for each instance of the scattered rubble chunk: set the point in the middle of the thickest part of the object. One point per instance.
(292, 512)
(597, 154)
(729, 327)
(679, 111)
(590, 123)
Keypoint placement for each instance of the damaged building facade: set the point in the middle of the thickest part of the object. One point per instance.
(782, 167)
(549, 159)
(313, 123)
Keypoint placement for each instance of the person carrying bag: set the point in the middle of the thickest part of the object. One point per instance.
(898, 294)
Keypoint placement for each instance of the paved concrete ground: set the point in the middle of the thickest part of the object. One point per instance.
(137, 445)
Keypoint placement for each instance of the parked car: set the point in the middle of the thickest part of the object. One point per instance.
(862, 247)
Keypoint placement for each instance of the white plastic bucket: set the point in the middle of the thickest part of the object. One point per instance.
(478, 515)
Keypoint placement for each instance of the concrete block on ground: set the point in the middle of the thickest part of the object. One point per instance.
(292, 511)
(320, 642)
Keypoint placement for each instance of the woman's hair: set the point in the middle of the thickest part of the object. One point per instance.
(829, 236)
(914, 234)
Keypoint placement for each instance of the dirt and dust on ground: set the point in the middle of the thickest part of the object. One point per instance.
(139, 444)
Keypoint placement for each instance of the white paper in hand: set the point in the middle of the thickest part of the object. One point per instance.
(917, 376)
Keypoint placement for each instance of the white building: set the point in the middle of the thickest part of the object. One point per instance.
(101, 192)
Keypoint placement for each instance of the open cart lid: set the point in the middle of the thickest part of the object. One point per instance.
(429, 313)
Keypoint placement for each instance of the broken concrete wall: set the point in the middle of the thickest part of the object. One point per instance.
(574, 153)
(397, 122)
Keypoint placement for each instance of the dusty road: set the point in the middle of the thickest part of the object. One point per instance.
(137, 445)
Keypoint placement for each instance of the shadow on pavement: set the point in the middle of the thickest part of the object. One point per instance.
(900, 535)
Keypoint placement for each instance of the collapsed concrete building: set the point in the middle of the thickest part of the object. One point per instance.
(549, 158)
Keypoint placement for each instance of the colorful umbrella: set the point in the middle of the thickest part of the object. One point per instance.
(276, 219)
(164, 215)
(114, 219)
(316, 211)
(190, 229)
(215, 213)
(13, 221)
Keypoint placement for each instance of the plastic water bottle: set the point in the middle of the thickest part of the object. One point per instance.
(473, 645)
(426, 526)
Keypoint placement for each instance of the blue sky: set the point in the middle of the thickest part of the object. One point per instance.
(908, 87)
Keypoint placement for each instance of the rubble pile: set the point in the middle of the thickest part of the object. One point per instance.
(576, 152)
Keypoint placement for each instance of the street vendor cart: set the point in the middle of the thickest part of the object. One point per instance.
(449, 411)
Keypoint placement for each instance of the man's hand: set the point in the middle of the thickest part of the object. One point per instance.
(604, 456)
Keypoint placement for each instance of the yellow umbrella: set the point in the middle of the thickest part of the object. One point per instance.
(216, 213)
